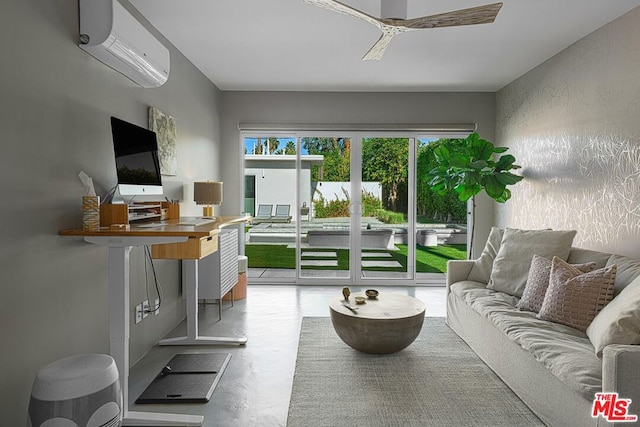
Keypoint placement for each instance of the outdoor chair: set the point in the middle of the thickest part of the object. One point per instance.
(282, 214)
(263, 214)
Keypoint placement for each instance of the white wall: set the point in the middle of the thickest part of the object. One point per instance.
(55, 104)
(335, 190)
(332, 108)
(573, 123)
(276, 186)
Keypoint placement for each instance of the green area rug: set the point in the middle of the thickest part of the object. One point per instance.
(436, 381)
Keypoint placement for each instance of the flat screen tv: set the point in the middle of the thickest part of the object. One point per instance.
(137, 163)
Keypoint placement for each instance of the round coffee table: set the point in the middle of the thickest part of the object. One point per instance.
(382, 325)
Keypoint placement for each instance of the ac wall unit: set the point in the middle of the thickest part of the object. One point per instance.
(111, 34)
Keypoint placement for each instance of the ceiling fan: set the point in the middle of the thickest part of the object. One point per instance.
(390, 25)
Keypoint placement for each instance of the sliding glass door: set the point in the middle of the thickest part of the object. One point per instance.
(347, 208)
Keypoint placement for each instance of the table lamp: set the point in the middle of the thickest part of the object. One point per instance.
(208, 194)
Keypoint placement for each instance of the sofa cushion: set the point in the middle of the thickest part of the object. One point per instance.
(627, 270)
(511, 266)
(538, 282)
(619, 321)
(581, 256)
(481, 270)
(575, 298)
(565, 351)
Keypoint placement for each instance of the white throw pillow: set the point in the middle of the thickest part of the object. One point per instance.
(619, 321)
(481, 270)
(511, 266)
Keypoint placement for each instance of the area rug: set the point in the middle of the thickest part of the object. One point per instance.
(436, 381)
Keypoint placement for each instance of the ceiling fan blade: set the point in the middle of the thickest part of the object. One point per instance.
(472, 16)
(336, 6)
(377, 50)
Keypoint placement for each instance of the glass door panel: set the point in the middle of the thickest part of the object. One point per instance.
(325, 211)
(270, 173)
(441, 221)
(385, 194)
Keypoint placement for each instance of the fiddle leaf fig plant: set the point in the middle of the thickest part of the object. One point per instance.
(473, 166)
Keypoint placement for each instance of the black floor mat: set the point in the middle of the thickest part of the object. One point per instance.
(187, 378)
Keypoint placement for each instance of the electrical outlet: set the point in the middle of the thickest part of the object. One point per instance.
(145, 308)
(138, 313)
(156, 305)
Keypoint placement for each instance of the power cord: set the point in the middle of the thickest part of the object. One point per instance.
(147, 250)
(109, 196)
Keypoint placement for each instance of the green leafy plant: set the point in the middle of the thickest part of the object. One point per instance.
(469, 168)
(389, 217)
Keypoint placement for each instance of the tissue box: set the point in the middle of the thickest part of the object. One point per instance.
(91, 212)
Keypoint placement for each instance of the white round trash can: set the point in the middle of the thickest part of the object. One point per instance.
(79, 391)
(243, 264)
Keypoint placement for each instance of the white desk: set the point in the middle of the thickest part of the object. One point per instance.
(169, 241)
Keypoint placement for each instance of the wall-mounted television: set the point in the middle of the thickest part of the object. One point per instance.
(137, 163)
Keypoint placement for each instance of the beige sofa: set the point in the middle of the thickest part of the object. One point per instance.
(553, 368)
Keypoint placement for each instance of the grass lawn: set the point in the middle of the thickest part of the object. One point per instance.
(428, 259)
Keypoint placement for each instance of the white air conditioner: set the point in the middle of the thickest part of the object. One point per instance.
(111, 34)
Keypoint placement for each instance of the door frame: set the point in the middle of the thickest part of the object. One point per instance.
(356, 136)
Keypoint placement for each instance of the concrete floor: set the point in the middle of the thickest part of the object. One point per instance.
(256, 386)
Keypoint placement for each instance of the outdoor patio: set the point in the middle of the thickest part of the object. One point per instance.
(325, 243)
(279, 233)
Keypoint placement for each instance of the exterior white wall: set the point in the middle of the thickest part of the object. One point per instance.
(334, 190)
(275, 181)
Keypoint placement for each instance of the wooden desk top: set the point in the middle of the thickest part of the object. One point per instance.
(168, 228)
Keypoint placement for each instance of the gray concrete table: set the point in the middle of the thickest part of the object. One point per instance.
(383, 325)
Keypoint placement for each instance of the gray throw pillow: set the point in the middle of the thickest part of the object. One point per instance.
(511, 266)
(538, 282)
(575, 298)
(481, 270)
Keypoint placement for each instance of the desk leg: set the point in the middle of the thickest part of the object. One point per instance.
(119, 317)
(190, 267)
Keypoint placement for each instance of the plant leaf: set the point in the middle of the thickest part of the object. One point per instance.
(499, 150)
(505, 162)
(442, 154)
(493, 187)
(506, 195)
(507, 178)
(481, 149)
(465, 192)
(478, 165)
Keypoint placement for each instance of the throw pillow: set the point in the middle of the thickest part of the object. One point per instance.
(511, 266)
(481, 270)
(575, 298)
(538, 282)
(619, 321)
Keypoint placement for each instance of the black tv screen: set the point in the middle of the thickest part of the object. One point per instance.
(137, 163)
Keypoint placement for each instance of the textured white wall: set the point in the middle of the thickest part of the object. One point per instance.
(573, 123)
